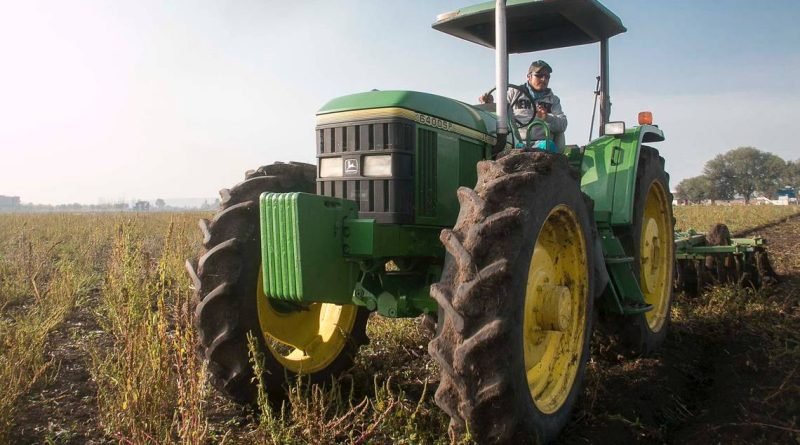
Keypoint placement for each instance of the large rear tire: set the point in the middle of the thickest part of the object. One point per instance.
(516, 302)
(317, 340)
(651, 243)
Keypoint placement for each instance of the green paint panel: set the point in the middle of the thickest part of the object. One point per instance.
(426, 174)
(399, 293)
(691, 245)
(448, 178)
(469, 154)
(366, 238)
(623, 294)
(405, 295)
(597, 175)
(301, 248)
(609, 172)
(625, 181)
(425, 103)
(454, 166)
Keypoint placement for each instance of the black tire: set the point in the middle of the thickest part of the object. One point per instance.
(685, 279)
(722, 266)
(637, 334)
(766, 273)
(482, 295)
(226, 283)
(750, 277)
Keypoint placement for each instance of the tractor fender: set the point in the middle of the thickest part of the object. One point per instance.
(608, 172)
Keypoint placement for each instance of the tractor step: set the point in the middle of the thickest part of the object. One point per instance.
(633, 308)
(625, 288)
(626, 296)
(619, 260)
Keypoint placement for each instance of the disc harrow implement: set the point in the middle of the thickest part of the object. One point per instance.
(706, 259)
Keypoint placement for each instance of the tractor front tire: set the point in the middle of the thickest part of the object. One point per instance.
(230, 304)
(516, 302)
(650, 242)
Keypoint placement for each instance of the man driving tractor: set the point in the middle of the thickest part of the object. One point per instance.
(546, 106)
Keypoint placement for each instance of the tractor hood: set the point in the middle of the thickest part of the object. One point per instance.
(425, 108)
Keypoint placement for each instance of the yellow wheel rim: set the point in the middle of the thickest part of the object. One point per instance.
(655, 273)
(554, 320)
(305, 341)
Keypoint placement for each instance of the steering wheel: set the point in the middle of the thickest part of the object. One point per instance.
(524, 93)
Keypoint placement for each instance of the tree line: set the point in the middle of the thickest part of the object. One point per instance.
(136, 206)
(744, 172)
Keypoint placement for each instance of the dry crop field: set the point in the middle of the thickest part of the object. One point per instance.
(738, 218)
(96, 346)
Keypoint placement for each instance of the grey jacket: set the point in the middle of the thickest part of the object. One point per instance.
(524, 111)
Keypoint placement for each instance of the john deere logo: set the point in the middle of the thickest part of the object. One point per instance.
(351, 166)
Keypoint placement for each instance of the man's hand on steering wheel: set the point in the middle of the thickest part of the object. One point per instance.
(540, 111)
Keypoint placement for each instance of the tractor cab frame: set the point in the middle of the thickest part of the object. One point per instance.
(526, 26)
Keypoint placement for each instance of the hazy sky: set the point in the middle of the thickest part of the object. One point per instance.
(108, 100)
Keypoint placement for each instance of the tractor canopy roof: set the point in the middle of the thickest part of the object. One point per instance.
(534, 25)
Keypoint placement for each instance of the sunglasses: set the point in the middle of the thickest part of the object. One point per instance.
(542, 75)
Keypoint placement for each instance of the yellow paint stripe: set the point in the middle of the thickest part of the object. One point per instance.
(396, 112)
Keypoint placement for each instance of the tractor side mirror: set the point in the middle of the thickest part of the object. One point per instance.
(614, 128)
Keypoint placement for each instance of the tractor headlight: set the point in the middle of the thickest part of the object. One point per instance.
(331, 168)
(380, 165)
(614, 128)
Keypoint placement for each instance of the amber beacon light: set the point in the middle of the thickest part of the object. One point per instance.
(645, 118)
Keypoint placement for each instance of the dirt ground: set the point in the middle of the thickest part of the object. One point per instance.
(719, 379)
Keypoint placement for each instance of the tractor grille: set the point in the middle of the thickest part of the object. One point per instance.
(377, 167)
(426, 172)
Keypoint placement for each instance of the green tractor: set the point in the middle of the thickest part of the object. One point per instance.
(424, 205)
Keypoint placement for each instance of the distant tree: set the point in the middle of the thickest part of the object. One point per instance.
(160, 203)
(719, 176)
(791, 175)
(769, 181)
(743, 171)
(694, 189)
(211, 206)
(141, 206)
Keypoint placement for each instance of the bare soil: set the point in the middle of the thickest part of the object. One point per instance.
(717, 379)
(64, 410)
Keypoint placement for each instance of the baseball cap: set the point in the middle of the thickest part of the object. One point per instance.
(539, 65)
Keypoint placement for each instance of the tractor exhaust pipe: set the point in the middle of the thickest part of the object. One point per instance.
(501, 74)
(605, 94)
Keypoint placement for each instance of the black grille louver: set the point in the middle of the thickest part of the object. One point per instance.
(426, 172)
(386, 199)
